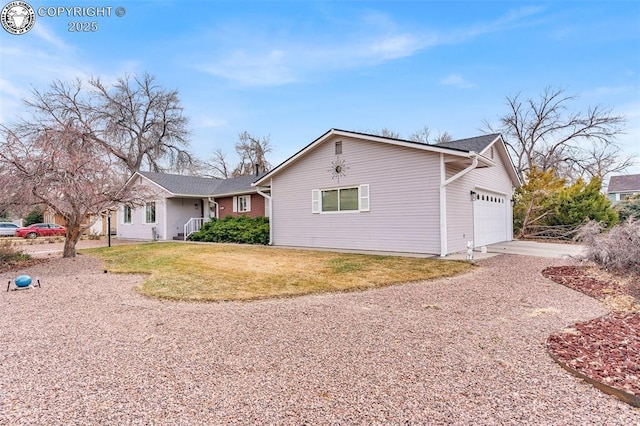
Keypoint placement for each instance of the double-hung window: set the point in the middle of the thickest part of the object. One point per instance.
(352, 199)
(127, 214)
(242, 204)
(150, 212)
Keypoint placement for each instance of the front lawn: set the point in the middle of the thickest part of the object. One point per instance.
(199, 272)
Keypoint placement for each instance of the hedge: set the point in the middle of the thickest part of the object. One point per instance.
(239, 229)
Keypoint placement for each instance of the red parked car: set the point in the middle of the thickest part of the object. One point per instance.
(40, 230)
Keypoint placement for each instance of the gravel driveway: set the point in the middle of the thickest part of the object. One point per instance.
(86, 349)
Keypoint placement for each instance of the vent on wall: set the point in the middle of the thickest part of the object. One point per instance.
(338, 147)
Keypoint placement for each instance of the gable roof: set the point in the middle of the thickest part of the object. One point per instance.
(238, 185)
(183, 185)
(196, 186)
(463, 148)
(626, 183)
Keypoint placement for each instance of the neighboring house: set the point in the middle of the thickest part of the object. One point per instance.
(99, 223)
(622, 187)
(349, 190)
(179, 205)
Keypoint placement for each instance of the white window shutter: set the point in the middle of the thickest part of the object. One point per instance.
(235, 204)
(315, 201)
(248, 198)
(363, 204)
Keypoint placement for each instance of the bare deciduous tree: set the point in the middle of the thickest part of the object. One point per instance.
(423, 136)
(386, 133)
(545, 133)
(443, 137)
(135, 120)
(252, 152)
(62, 168)
(219, 165)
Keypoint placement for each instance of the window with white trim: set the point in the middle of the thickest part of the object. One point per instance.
(127, 214)
(150, 212)
(351, 199)
(242, 204)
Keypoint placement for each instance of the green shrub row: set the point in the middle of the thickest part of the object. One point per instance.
(240, 229)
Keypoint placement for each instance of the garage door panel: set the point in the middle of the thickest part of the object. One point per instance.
(489, 218)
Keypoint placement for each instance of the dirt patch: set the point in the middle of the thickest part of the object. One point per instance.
(14, 265)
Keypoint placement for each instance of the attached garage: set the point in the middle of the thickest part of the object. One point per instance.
(490, 217)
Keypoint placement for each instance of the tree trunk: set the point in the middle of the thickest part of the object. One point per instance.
(72, 238)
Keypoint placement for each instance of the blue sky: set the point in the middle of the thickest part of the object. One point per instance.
(294, 69)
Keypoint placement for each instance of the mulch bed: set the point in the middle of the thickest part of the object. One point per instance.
(606, 349)
(578, 278)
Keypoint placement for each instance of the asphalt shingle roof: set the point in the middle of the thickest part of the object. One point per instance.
(184, 185)
(239, 184)
(624, 183)
(476, 144)
(202, 186)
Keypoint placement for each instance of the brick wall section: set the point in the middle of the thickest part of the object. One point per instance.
(225, 206)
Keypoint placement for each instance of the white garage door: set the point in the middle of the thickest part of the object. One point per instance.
(489, 218)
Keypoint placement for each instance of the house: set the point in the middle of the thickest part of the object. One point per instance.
(99, 224)
(622, 187)
(178, 205)
(349, 190)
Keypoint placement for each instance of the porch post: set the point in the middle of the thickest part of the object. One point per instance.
(443, 208)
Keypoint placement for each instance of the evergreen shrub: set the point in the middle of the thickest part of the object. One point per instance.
(239, 229)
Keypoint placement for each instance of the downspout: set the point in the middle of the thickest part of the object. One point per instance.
(268, 197)
(443, 197)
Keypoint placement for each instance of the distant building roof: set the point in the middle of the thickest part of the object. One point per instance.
(184, 185)
(476, 144)
(626, 183)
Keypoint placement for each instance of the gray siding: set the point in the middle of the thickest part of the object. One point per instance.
(459, 205)
(137, 229)
(404, 199)
(180, 210)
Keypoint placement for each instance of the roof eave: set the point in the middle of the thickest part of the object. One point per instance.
(232, 194)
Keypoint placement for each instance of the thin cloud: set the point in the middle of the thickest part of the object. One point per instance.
(261, 60)
(44, 34)
(456, 80)
(209, 122)
(254, 69)
(607, 91)
(514, 18)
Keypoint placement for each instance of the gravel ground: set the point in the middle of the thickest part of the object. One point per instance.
(86, 349)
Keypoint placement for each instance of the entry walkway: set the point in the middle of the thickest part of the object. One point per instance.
(535, 248)
(525, 248)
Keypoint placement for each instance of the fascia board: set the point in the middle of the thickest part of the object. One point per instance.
(232, 194)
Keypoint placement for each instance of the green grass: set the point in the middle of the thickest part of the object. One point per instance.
(202, 272)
